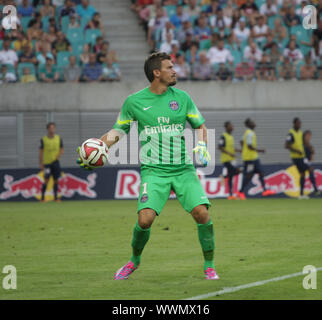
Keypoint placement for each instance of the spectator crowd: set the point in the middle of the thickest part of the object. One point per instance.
(235, 40)
(55, 40)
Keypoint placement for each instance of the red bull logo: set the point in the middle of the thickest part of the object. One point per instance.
(128, 185)
(30, 186)
(286, 182)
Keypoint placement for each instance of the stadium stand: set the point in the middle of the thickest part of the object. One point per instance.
(259, 34)
(48, 33)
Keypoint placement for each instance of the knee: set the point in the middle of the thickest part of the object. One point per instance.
(200, 214)
(146, 218)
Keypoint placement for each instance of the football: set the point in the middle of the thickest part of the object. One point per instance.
(94, 152)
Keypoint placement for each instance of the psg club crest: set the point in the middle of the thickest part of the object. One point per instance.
(174, 105)
(144, 198)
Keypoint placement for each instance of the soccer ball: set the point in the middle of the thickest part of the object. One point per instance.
(93, 152)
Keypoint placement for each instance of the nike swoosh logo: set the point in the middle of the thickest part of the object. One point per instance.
(147, 108)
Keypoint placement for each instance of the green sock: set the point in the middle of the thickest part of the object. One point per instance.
(206, 234)
(139, 239)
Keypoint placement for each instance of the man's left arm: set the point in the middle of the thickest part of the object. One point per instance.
(197, 122)
(61, 150)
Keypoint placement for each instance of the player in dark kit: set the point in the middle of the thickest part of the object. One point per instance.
(51, 149)
(227, 147)
(295, 144)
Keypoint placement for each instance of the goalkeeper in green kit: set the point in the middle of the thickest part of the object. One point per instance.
(161, 112)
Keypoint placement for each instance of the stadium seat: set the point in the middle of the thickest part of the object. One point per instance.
(75, 35)
(84, 22)
(78, 47)
(237, 55)
(23, 65)
(63, 58)
(1, 42)
(91, 35)
(24, 23)
(171, 10)
(204, 44)
(45, 23)
(64, 24)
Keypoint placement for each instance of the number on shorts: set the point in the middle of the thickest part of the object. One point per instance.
(145, 186)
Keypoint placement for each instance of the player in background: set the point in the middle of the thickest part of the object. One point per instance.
(228, 159)
(50, 151)
(309, 154)
(252, 164)
(161, 112)
(295, 144)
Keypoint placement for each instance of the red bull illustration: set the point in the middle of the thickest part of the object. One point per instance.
(30, 186)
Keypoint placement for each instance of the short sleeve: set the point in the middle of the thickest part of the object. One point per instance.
(289, 138)
(125, 118)
(222, 141)
(61, 143)
(41, 144)
(193, 116)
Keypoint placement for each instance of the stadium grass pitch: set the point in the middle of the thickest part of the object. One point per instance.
(70, 250)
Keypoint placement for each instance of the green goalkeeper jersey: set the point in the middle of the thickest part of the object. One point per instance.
(161, 120)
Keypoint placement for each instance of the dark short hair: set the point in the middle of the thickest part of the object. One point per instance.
(296, 119)
(153, 62)
(226, 124)
(50, 124)
(247, 121)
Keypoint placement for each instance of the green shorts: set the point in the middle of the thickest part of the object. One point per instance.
(155, 191)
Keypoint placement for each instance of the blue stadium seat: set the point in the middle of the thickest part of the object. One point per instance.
(1, 43)
(63, 58)
(75, 35)
(91, 35)
(24, 22)
(171, 10)
(204, 44)
(84, 22)
(45, 23)
(237, 55)
(77, 47)
(64, 24)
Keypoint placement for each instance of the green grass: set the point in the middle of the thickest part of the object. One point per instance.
(71, 250)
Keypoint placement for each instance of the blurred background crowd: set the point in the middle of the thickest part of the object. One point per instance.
(234, 40)
(55, 40)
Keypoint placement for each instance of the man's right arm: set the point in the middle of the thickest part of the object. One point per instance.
(41, 155)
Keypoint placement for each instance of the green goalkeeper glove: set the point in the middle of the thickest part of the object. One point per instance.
(204, 156)
(81, 164)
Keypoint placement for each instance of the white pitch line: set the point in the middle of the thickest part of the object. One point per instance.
(246, 286)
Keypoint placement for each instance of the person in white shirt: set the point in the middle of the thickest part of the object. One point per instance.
(192, 9)
(219, 54)
(293, 53)
(241, 31)
(7, 76)
(181, 67)
(166, 46)
(252, 53)
(219, 20)
(260, 30)
(156, 24)
(268, 8)
(7, 55)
